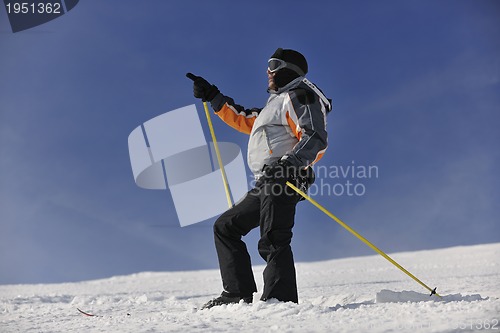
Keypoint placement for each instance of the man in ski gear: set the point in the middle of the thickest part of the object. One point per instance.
(287, 137)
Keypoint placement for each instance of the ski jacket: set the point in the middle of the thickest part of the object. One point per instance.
(292, 125)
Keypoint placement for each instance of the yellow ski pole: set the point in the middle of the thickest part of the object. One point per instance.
(364, 240)
(217, 152)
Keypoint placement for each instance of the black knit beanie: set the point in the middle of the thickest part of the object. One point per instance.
(286, 75)
(292, 57)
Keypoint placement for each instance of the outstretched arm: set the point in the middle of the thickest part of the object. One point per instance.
(231, 113)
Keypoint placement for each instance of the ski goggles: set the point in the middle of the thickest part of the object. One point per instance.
(275, 64)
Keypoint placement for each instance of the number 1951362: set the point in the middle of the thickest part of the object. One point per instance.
(33, 8)
(478, 324)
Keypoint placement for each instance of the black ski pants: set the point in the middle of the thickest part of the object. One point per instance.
(271, 206)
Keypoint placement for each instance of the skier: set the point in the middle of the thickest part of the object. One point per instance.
(287, 137)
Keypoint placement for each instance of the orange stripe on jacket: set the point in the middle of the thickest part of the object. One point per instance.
(319, 155)
(294, 127)
(237, 120)
(297, 131)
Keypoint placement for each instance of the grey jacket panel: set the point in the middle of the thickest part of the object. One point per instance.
(292, 125)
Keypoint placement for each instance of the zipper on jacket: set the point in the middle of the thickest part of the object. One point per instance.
(267, 142)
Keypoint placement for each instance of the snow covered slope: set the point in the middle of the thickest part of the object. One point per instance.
(365, 294)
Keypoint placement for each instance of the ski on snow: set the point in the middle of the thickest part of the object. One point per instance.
(88, 314)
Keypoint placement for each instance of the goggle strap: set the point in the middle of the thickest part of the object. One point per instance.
(295, 68)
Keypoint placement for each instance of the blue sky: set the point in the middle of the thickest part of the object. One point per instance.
(415, 88)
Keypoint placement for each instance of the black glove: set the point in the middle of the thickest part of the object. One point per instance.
(280, 171)
(202, 89)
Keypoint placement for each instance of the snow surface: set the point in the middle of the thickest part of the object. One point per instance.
(363, 294)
